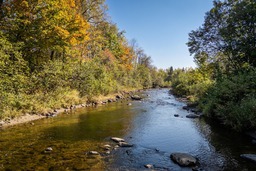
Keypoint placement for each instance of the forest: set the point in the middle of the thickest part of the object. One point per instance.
(224, 49)
(54, 55)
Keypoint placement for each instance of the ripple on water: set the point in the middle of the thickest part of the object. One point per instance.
(150, 125)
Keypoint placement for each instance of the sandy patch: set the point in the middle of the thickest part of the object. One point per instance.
(19, 120)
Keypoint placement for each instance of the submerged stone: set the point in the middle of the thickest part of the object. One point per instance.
(184, 159)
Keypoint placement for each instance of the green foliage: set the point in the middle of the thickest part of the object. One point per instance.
(225, 46)
(190, 82)
(53, 56)
(232, 100)
(229, 28)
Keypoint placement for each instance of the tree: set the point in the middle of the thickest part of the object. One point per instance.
(94, 11)
(229, 30)
(46, 29)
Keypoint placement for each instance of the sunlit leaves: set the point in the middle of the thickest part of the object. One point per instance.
(229, 29)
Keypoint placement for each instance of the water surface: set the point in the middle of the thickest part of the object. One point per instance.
(150, 125)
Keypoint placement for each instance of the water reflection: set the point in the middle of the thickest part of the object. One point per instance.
(149, 124)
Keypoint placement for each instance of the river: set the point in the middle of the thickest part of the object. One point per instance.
(149, 124)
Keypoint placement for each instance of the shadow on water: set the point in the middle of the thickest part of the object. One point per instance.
(150, 125)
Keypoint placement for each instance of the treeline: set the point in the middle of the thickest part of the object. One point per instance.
(54, 53)
(224, 49)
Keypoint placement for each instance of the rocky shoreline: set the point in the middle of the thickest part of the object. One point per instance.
(128, 95)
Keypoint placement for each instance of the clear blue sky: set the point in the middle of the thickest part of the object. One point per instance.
(160, 27)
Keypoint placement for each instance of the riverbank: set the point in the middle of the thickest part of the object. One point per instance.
(96, 101)
(68, 141)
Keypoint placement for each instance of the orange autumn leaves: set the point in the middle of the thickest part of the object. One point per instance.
(60, 26)
(56, 21)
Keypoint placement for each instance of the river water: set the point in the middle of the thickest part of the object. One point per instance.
(149, 124)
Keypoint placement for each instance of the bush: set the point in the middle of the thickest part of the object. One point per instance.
(232, 100)
(191, 83)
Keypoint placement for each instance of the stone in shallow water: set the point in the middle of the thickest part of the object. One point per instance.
(148, 166)
(116, 139)
(176, 115)
(192, 116)
(136, 97)
(184, 159)
(124, 144)
(106, 147)
(48, 149)
(251, 157)
(93, 153)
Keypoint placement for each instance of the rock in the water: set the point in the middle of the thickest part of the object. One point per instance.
(93, 153)
(116, 139)
(129, 104)
(185, 107)
(124, 144)
(148, 166)
(136, 97)
(192, 116)
(106, 147)
(118, 96)
(251, 157)
(176, 115)
(48, 149)
(184, 159)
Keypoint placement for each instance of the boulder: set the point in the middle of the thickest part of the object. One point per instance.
(93, 153)
(106, 147)
(184, 159)
(118, 96)
(185, 107)
(192, 116)
(124, 144)
(149, 166)
(116, 139)
(251, 157)
(136, 97)
(176, 115)
(47, 150)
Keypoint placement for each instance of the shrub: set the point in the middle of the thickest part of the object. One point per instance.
(232, 100)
